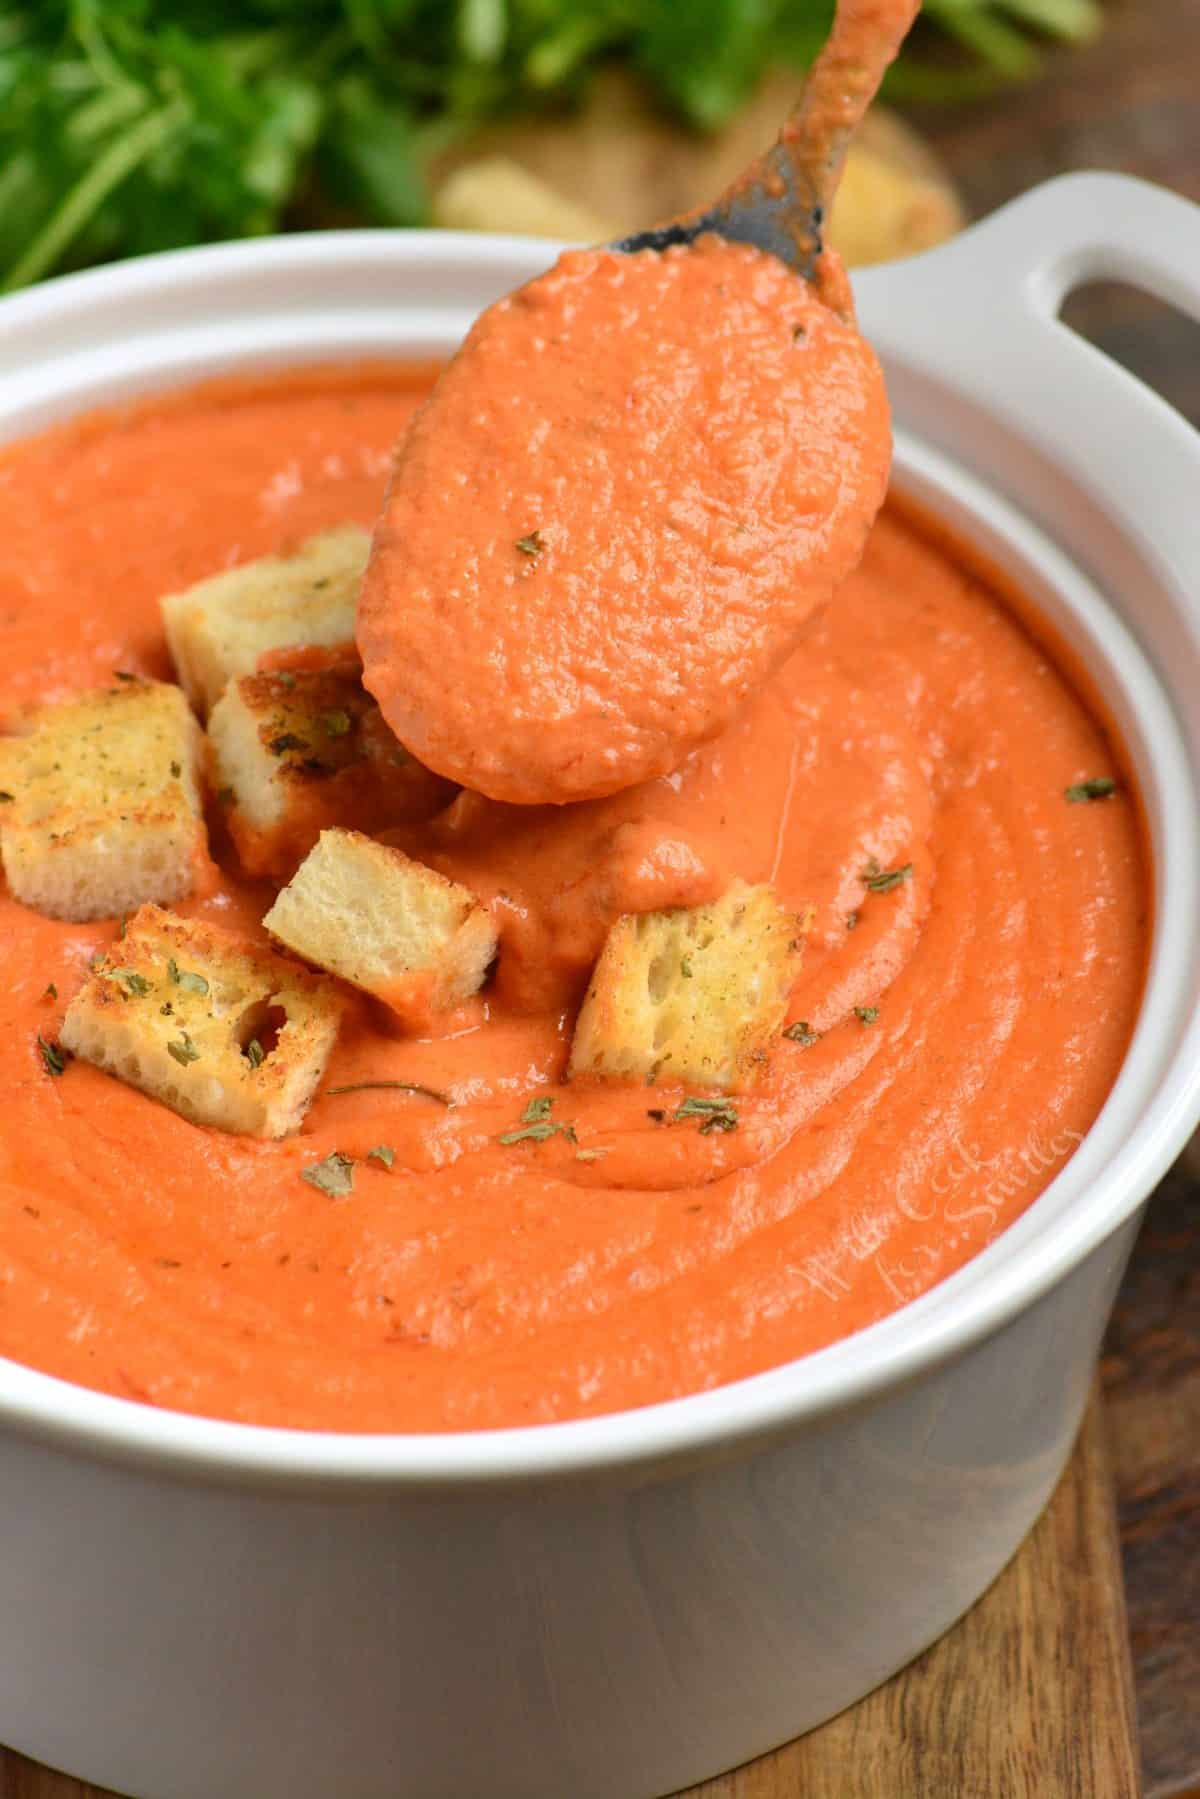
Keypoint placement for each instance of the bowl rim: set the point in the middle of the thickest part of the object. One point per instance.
(1151, 1110)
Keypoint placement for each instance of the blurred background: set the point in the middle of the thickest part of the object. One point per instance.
(129, 126)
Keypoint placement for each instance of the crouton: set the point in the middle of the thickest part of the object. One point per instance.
(102, 809)
(694, 995)
(219, 628)
(224, 1033)
(295, 753)
(387, 924)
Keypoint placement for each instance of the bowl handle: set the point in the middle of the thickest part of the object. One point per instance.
(978, 318)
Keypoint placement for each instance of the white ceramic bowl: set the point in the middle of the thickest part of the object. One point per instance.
(614, 1608)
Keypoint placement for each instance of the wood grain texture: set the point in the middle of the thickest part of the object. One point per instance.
(993, 1709)
(997, 1707)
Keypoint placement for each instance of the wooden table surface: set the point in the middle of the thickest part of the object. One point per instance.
(1131, 101)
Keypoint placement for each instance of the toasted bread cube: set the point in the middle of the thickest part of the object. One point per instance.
(387, 924)
(694, 995)
(225, 1033)
(296, 753)
(105, 806)
(219, 628)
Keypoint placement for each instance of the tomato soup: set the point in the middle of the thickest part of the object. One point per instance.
(919, 773)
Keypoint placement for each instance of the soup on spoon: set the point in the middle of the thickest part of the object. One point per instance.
(636, 480)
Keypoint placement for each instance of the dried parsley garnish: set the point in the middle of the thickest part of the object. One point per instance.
(129, 978)
(883, 880)
(183, 977)
(443, 1099)
(287, 740)
(1100, 787)
(54, 1056)
(334, 1176)
(536, 1125)
(532, 544)
(801, 1034)
(716, 1114)
(866, 1014)
(184, 1051)
(254, 1053)
(337, 724)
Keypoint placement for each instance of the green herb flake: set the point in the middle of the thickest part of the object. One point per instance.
(54, 1056)
(866, 1014)
(176, 770)
(884, 880)
(536, 1125)
(443, 1099)
(183, 977)
(129, 978)
(333, 1177)
(382, 1152)
(51, 992)
(532, 544)
(184, 1051)
(801, 1033)
(287, 740)
(337, 724)
(685, 967)
(123, 674)
(715, 1114)
(1101, 787)
(255, 1053)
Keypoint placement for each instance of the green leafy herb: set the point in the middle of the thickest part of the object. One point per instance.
(129, 978)
(883, 880)
(801, 1034)
(337, 724)
(255, 1053)
(443, 1099)
(135, 125)
(1099, 788)
(531, 545)
(716, 1114)
(184, 1051)
(866, 1014)
(536, 1126)
(54, 1056)
(334, 1176)
(183, 977)
(382, 1152)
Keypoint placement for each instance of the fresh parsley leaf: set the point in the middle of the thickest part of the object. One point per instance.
(1100, 787)
(184, 1051)
(536, 1126)
(334, 1176)
(866, 1014)
(801, 1034)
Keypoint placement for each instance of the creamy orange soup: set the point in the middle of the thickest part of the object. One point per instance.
(956, 1029)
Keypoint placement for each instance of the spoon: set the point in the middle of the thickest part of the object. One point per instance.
(640, 475)
(781, 202)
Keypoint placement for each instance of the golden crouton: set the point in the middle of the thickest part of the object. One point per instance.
(219, 628)
(389, 925)
(694, 995)
(101, 807)
(222, 1032)
(295, 753)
